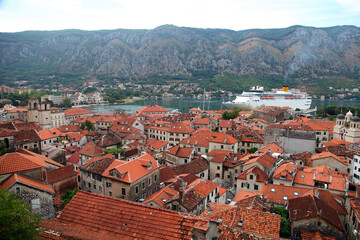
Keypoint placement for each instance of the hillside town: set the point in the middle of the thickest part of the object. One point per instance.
(154, 174)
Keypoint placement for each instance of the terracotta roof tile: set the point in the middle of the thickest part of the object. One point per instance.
(178, 151)
(16, 178)
(69, 128)
(244, 219)
(77, 111)
(74, 158)
(16, 162)
(260, 175)
(153, 108)
(280, 194)
(90, 149)
(26, 136)
(313, 207)
(264, 159)
(49, 133)
(56, 175)
(272, 148)
(196, 166)
(166, 173)
(136, 220)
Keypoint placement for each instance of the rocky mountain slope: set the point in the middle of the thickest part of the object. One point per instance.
(297, 51)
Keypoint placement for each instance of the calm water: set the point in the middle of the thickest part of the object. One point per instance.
(184, 104)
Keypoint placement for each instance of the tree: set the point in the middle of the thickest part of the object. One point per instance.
(87, 125)
(16, 220)
(2, 148)
(285, 221)
(114, 150)
(66, 102)
(253, 150)
(67, 196)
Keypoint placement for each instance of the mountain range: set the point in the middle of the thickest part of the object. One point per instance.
(298, 52)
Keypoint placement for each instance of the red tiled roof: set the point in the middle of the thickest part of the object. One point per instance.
(252, 221)
(242, 194)
(162, 196)
(264, 159)
(178, 151)
(157, 144)
(180, 128)
(272, 147)
(49, 133)
(126, 219)
(4, 133)
(336, 142)
(56, 175)
(260, 175)
(153, 108)
(201, 121)
(202, 137)
(285, 171)
(166, 173)
(16, 162)
(26, 136)
(196, 166)
(275, 193)
(315, 236)
(328, 155)
(39, 156)
(16, 178)
(69, 128)
(313, 207)
(226, 124)
(74, 158)
(90, 149)
(77, 111)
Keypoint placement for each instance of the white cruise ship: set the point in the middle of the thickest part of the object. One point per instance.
(257, 97)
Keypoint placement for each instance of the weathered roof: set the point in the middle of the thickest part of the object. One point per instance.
(126, 219)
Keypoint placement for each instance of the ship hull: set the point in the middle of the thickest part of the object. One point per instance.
(248, 101)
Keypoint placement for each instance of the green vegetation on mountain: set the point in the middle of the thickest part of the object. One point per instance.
(316, 58)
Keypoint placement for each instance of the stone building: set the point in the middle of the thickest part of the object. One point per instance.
(134, 180)
(40, 113)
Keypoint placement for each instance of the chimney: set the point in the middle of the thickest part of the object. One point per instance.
(182, 187)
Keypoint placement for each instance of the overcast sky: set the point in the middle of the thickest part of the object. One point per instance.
(20, 15)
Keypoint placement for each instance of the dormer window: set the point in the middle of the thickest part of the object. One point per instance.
(272, 190)
(296, 194)
(285, 198)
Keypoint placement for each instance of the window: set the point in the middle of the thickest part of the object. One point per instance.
(108, 184)
(136, 189)
(218, 167)
(285, 198)
(89, 185)
(123, 191)
(206, 150)
(110, 193)
(222, 146)
(143, 184)
(150, 192)
(251, 176)
(144, 196)
(199, 149)
(155, 178)
(149, 181)
(94, 186)
(35, 203)
(296, 194)
(272, 190)
(100, 188)
(256, 187)
(78, 178)
(17, 190)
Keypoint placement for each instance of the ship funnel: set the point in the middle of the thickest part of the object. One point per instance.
(285, 88)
